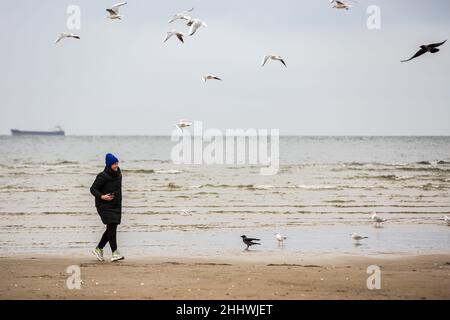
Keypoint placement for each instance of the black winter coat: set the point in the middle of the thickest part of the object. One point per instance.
(108, 181)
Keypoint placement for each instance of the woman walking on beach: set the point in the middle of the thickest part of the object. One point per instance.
(107, 190)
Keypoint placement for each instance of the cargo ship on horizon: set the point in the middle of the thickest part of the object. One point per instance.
(57, 132)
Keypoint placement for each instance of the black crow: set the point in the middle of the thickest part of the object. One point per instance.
(432, 48)
(250, 241)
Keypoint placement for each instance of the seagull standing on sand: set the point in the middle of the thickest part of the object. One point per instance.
(67, 35)
(447, 219)
(357, 237)
(179, 35)
(210, 77)
(250, 241)
(378, 220)
(431, 48)
(195, 24)
(182, 15)
(183, 124)
(272, 57)
(280, 239)
(114, 11)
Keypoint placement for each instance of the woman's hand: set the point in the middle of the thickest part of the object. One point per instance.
(107, 197)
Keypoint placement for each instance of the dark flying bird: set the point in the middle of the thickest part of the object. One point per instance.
(250, 241)
(432, 48)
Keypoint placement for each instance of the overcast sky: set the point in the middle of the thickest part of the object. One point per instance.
(342, 79)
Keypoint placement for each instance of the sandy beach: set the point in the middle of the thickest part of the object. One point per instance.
(344, 277)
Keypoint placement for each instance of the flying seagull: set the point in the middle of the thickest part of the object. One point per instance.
(182, 15)
(341, 4)
(210, 77)
(280, 239)
(179, 35)
(377, 219)
(114, 11)
(250, 241)
(432, 48)
(183, 124)
(67, 35)
(195, 24)
(357, 237)
(272, 57)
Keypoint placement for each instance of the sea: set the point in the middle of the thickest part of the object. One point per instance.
(326, 188)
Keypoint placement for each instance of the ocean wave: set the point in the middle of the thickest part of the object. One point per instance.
(55, 163)
(151, 171)
(152, 161)
(143, 171)
(240, 186)
(427, 187)
(336, 187)
(205, 193)
(436, 162)
(318, 187)
(172, 186)
(391, 167)
(60, 212)
(229, 186)
(391, 177)
(396, 164)
(169, 171)
(13, 188)
(423, 169)
(264, 187)
(364, 165)
(427, 163)
(253, 187)
(430, 186)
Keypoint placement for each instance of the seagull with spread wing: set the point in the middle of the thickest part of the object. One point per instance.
(431, 48)
(210, 77)
(179, 35)
(114, 11)
(67, 35)
(183, 124)
(195, 24)
(272, 57)
(182, 15)
(341, 4)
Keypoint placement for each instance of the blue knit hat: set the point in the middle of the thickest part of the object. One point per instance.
(110, 159)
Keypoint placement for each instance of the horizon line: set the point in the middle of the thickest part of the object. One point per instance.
(281, 135)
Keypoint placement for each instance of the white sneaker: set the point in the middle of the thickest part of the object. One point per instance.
(98, 253)
(116, 256)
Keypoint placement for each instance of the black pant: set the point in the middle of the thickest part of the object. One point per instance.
(109, 236)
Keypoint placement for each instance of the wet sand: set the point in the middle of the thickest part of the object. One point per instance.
(331, 277)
